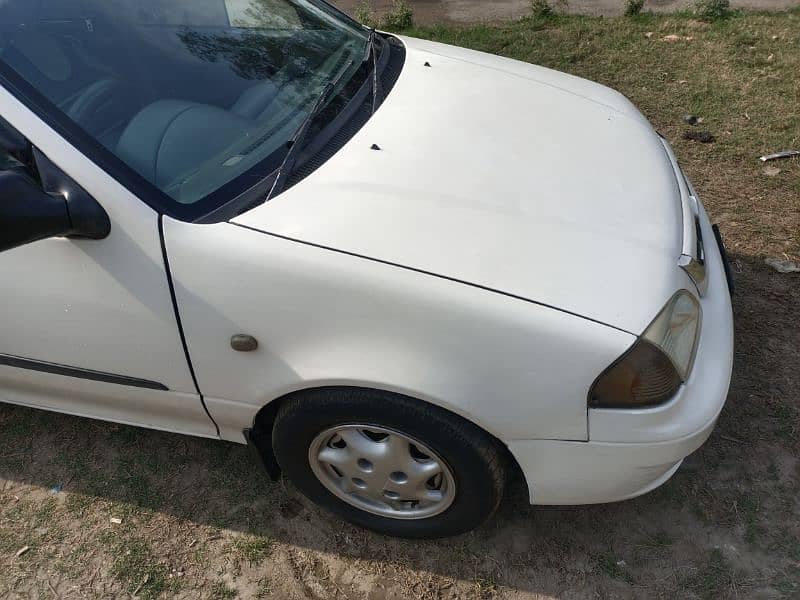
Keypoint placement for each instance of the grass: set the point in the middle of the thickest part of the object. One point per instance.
(398, 17)
(715, 577)
(252, 549)
(136, 565)
(614, 568)
(263, 587)
(222, 591)
(199, 520)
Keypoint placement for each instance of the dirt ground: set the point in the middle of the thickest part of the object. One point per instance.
(97, 510)
(429, 12)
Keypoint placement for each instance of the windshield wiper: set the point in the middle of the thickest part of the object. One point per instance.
(376, 92)
(296, 141)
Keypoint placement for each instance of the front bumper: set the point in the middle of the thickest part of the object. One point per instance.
(631, 452)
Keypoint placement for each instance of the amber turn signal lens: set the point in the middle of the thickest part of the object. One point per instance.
(643, 377)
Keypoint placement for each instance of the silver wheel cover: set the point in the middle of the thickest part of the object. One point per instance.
(381, 471)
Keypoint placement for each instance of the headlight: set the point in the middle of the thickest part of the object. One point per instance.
(657, 364)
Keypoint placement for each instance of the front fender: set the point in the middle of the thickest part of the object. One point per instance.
(518, 369)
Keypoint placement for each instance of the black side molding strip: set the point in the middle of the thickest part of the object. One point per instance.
(56, 369)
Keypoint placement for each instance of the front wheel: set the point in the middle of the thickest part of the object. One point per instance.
(388, 462)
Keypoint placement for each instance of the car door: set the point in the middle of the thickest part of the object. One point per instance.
(89, 326)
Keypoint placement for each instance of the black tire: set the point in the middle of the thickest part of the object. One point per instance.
(476, 460)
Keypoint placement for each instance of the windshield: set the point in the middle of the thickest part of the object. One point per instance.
(192, 95)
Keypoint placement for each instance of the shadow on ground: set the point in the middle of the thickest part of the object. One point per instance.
(643, 542)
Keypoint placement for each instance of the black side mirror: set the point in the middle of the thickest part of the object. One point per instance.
(89, 219)
(30, 211)
(58, 207)
(27, 213)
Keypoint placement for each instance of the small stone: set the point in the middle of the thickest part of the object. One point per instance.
(783, 266)
(116, 520)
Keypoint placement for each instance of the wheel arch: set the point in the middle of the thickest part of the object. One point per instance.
(259, 435)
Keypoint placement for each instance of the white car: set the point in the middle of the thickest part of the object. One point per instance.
(401, 270)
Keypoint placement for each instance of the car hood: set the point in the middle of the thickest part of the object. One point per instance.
(506, 176)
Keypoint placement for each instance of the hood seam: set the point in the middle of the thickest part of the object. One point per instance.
(430, 273)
